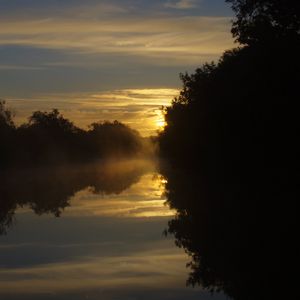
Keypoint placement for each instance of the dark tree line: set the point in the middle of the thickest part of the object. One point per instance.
(49, 138)
(232, 146)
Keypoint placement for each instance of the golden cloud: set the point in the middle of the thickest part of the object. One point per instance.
(138, 108)
(182, 39)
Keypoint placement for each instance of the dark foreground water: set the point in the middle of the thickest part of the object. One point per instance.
(92, 232)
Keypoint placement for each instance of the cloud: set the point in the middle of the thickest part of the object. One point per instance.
(165, 266)
(96, 46)
(7, 67)
(182, 4)
(139, 108)
(181, 40)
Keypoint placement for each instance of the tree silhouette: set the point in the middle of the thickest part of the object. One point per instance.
(231, 142)
(265, 20)
(50, 138)
(7, 134)
(6, 116)
(116, 138)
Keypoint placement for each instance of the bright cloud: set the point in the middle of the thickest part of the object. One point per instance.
(78, 48)
(181, 39)
(138, 108)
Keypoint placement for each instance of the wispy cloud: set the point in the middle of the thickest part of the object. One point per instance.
(139, 108)
(183, 40)
(181, 4)
(164, 266)
(19, 67)
(86, 46)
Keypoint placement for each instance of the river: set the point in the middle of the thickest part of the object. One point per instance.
(90, 232)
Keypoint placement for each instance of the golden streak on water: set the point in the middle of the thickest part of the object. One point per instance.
(143, 199)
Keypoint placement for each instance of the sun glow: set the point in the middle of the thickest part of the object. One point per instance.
(138, 108)
(160, 123)
(160, 120)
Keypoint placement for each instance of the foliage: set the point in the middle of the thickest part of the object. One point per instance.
(49, 138)
(6, 116)
(116, 138)
(231, 143)
(51, 121)
(7, 133)
(265, 20)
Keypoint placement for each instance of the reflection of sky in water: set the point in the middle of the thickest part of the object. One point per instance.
(143, 199)
(103, 247)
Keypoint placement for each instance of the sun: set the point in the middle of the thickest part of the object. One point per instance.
(160, 123)
(160, 120)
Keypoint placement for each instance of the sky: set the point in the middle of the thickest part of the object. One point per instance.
(104, 60)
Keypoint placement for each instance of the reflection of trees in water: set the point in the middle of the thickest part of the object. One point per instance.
(239, 237)
(48, 190)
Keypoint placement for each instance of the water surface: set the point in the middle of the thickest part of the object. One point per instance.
(90, 232)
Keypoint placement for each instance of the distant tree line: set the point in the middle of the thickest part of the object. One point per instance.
(50, 138)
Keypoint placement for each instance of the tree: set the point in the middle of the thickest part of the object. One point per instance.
(7, 134)
(114, 139)
(265, 20)
(6, 116)
(232, 143)
(52, 121)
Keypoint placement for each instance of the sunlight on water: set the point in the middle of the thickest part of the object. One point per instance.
(108, 242)
(143, 199)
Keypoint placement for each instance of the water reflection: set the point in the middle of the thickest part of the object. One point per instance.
(144, 199)
(49, 190)
(106, 244)
(239, 236)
